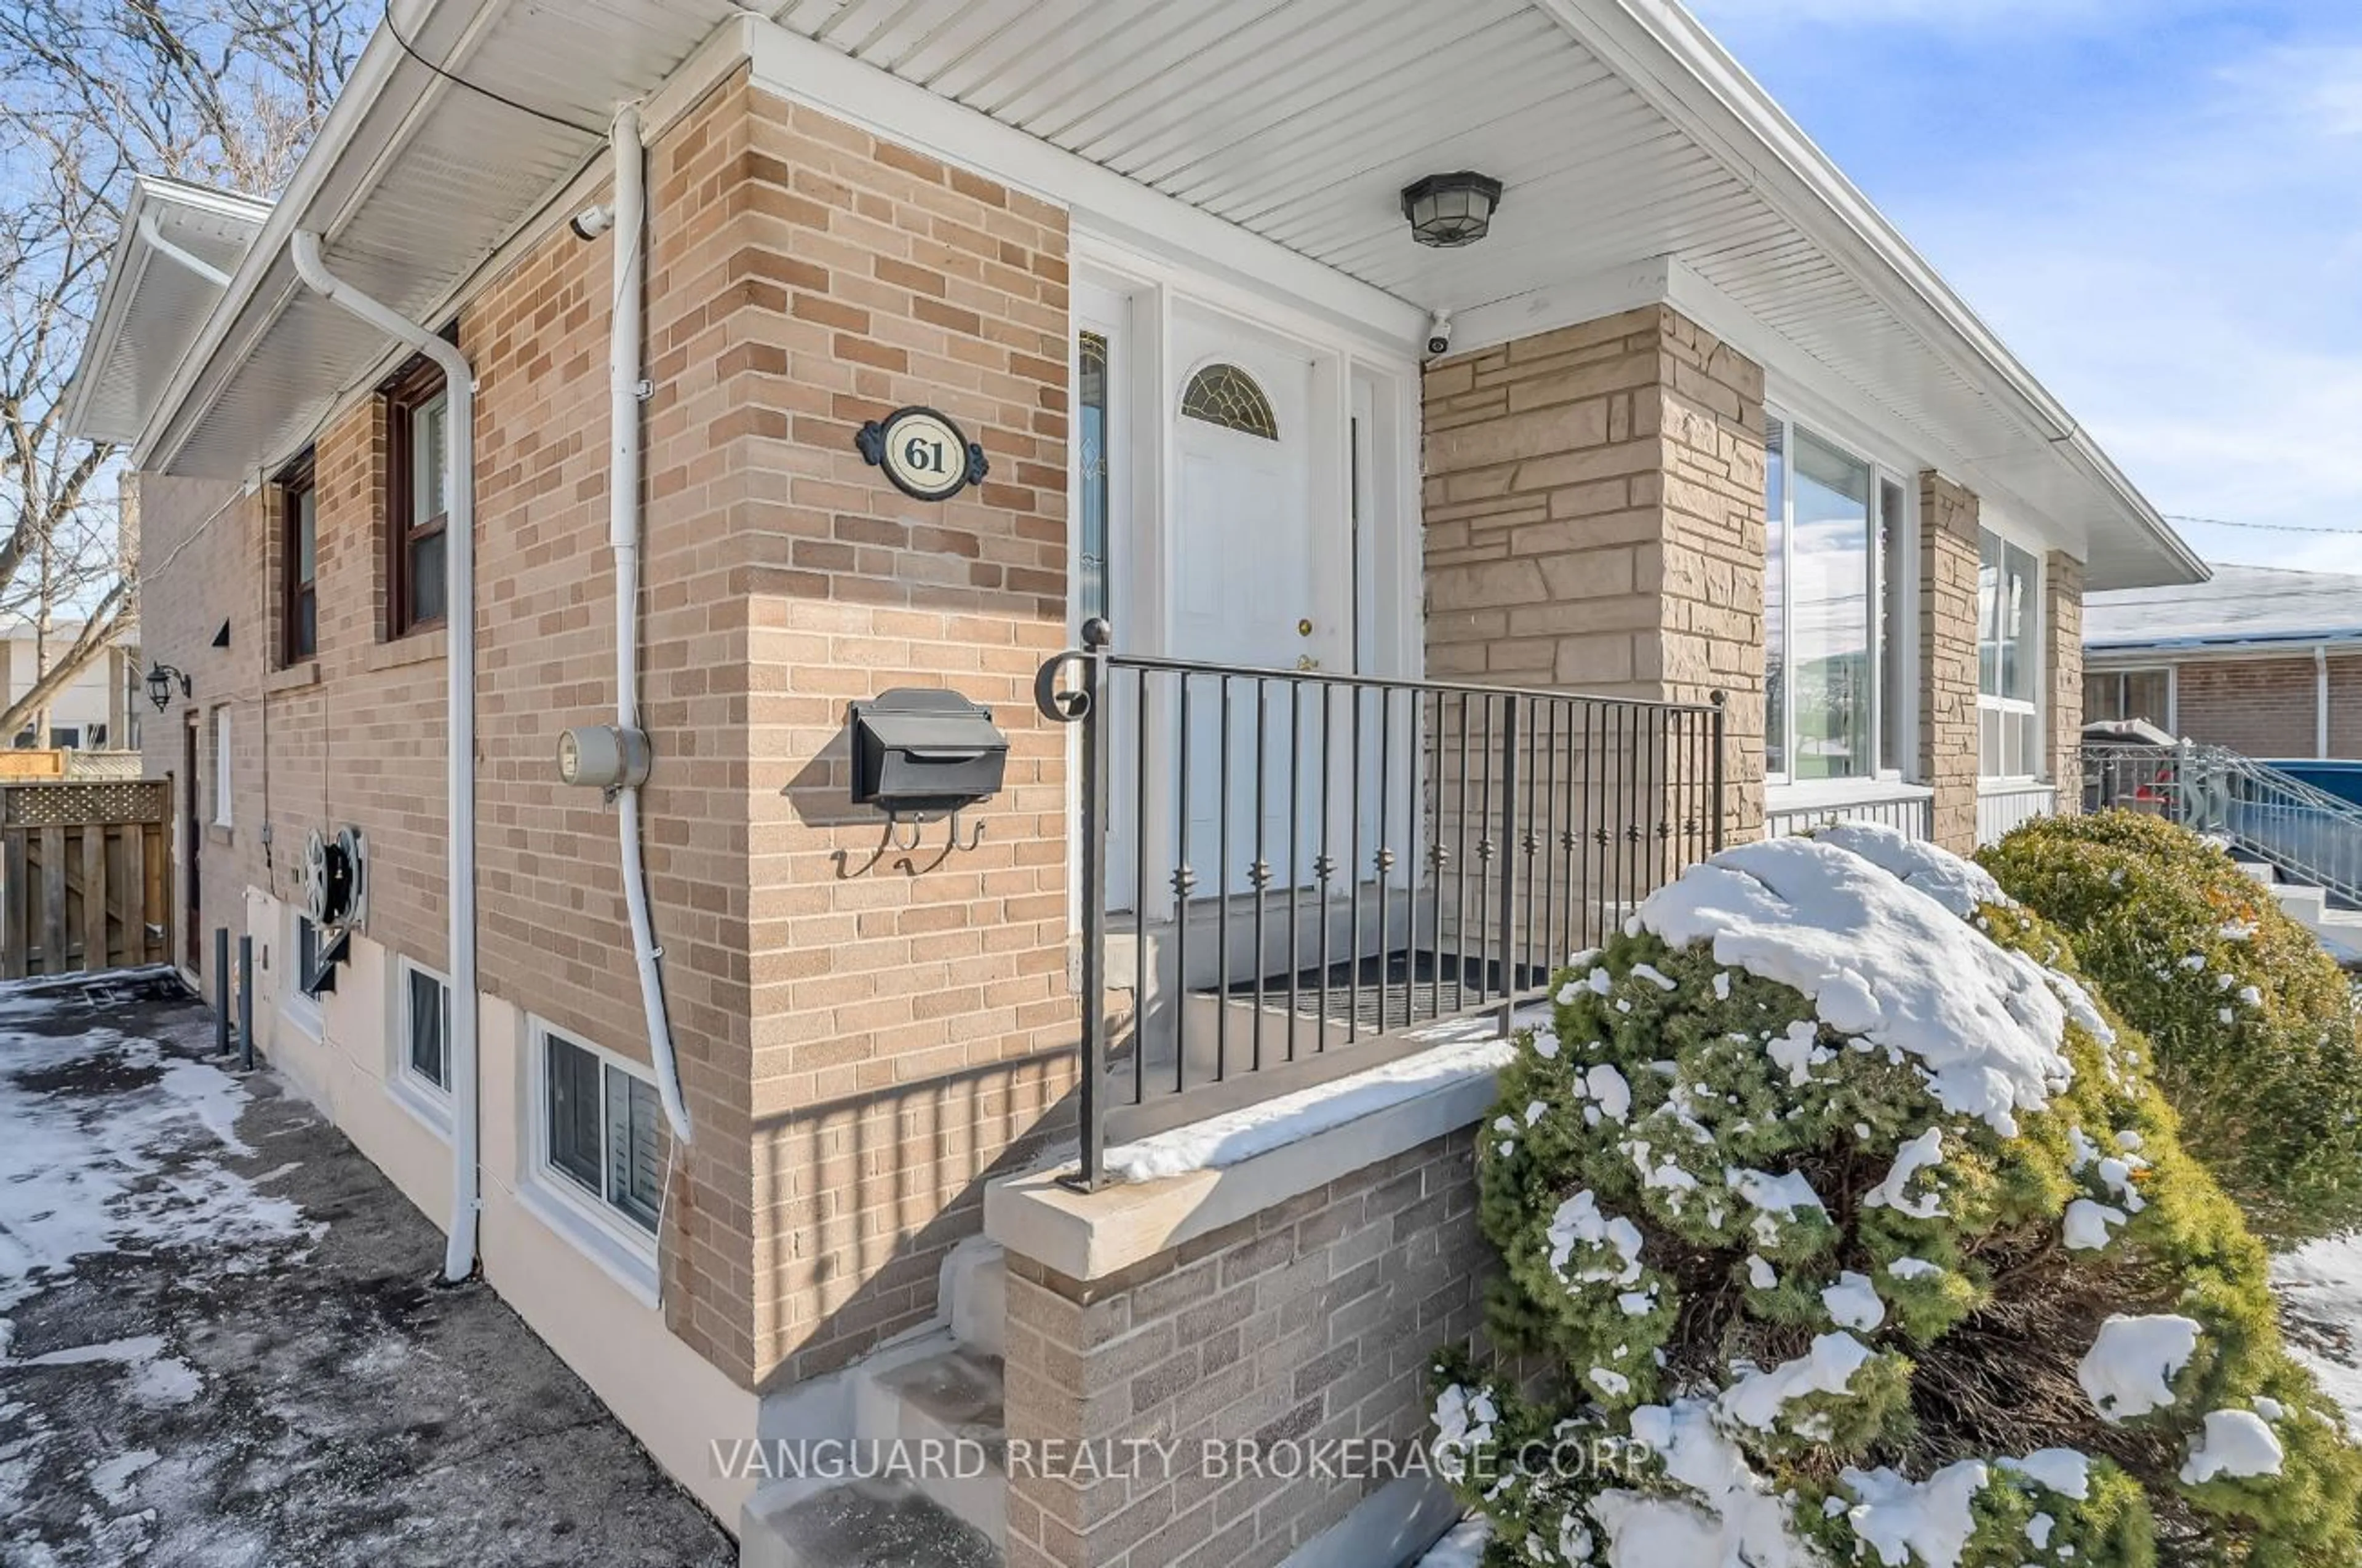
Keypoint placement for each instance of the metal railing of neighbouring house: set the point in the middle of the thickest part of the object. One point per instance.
(2255, 808)
(1288, 874)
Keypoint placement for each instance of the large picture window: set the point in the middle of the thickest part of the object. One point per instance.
(2009, 659)
(419, 435)
(1835, 525)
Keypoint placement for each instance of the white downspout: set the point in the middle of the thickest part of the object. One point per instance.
(459, 692)
(2320, 700)
(623, 379)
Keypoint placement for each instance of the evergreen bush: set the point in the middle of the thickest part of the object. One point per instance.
(1841, 1226)
(2252, 1024)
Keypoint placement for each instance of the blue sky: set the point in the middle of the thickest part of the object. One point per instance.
(2157, 203)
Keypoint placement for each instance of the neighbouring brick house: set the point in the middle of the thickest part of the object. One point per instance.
(2259, 659)
(508, 424)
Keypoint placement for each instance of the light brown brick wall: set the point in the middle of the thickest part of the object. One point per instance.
(860, 1045)
(2063, 659)
(912, 1021)
(1317, 1320)
(1947, 657)
(1594, 521)
(2345, 707)
(2264, 707)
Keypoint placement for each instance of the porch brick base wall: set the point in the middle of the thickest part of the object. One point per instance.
(1948, 657)
(1314, 1321)
(2062, 623)
(1594, 511)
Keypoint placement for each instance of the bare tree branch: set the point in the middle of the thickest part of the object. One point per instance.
(221, 93)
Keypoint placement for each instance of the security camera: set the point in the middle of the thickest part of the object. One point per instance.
(592, 222)
(1438, 332)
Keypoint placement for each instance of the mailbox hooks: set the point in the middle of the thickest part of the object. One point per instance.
(921, 754)
(895, 823)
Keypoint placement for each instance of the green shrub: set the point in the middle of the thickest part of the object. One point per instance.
(1841, 1226)
(2252, 1023)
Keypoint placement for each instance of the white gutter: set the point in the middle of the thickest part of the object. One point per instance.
(154, 236)
(623, 534)
(460, 696)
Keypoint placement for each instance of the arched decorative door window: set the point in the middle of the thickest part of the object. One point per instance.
(1225, 395)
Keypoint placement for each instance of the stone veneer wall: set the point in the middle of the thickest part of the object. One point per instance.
(2062, 625)
(1947, 657)
(1594, 512)
(1314, 1320)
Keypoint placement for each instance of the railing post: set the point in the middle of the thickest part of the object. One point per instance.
(221, 991)
(1721, 701)
(1509, 913)
(1082, 704)
(246, 1000)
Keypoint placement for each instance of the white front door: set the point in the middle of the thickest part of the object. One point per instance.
(1256, 583)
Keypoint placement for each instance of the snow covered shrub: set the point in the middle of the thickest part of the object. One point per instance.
(1845, 1228)
(2252, 1023)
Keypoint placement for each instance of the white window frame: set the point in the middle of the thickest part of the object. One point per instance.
(626, 1252)
(414, 1091)
(2037, 707)
(304, 1012)
(224, 779)
(1899, 578)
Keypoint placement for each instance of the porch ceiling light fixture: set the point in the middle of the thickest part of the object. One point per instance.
(161, 680)
(1448, 211)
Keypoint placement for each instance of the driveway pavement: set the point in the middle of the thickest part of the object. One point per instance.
(222, 1342)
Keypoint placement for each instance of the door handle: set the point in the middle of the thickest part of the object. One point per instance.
(1305, 661)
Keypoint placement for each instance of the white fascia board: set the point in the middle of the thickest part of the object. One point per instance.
(1098, 201)
(1567, 303)
(373, 74)
(1667, 57)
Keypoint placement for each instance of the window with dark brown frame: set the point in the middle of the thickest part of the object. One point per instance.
(299, 563)
(418, 431)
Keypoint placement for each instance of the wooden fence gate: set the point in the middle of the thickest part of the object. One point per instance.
(85, 877)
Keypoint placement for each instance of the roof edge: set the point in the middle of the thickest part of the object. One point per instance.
(1670, 58)
(116, 295)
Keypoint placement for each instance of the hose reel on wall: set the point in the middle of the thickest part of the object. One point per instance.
(335, 898)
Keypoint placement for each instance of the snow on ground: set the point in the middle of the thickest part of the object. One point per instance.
(2321, 1296)
(198, 1368)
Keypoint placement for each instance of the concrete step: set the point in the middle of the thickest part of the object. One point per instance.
(974, 1291)
(2307, 906)
(863, 1525)
(2261, 871)
(946, 1410)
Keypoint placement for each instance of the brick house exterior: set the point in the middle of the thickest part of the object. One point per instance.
(2264, 662)
(1597, 484)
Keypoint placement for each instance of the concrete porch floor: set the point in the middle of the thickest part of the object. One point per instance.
(221, 1343)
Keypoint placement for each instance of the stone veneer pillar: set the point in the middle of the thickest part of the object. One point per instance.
(1595, 522)
(2062, 625)
(1947, 657)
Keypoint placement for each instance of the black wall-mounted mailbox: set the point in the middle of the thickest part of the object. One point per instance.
(917, 751)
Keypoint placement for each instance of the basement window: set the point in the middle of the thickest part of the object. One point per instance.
(425, 1031)
(602, 1122)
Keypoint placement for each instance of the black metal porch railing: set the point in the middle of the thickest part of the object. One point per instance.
(1287, 875)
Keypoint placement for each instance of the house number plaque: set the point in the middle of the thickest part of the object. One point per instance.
(923, 453)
